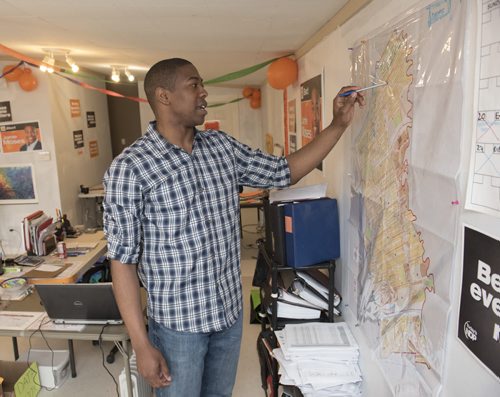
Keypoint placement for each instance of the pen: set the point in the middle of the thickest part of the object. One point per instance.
(347, 93)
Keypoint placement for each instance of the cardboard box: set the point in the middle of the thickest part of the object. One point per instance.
(18, 380)
(53, 366)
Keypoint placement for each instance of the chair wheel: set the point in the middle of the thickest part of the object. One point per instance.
(110, 359)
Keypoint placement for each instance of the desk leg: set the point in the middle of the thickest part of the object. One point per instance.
(15, 348)
(125, 351)
(72, 358)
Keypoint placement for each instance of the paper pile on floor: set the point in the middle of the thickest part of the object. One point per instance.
(321, 359)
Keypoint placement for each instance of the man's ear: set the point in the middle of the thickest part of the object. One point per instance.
(162, 96)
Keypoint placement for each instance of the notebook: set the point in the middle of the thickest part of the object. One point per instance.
(92, 303)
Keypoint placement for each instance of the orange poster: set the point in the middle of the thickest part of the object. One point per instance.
(74, 106)
(20, 137)
(93, 149)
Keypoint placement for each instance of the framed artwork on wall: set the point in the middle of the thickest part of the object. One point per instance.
(17, 184)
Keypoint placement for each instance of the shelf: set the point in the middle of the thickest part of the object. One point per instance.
(277, 323)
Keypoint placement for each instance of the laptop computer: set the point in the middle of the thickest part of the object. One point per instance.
(92, 303)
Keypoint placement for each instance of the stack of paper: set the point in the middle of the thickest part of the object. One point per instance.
(321, 359)
(298, 193)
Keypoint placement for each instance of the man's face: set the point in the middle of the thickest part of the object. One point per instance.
(188, 98)
(30, 134)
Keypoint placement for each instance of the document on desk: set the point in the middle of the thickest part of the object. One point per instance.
(47, 270)
(18, 320)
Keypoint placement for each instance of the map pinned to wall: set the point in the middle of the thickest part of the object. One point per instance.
(484, 177)
(403, 215)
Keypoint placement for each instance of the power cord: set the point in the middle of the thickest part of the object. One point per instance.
(103, 360)
(39, 329)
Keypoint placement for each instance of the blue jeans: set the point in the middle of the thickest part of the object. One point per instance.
(201, 364)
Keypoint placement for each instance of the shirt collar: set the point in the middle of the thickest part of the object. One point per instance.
(162, 142)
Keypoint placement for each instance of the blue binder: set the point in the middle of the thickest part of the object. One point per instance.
(312, 232)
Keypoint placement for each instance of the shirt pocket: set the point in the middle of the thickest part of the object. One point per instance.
(168, 203)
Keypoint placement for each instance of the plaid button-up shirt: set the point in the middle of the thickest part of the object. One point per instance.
(176, 215)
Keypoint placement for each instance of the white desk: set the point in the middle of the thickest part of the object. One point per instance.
(115, 333)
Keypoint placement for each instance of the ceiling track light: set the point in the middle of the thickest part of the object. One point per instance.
(48, 64)
(129, 75)
(115, 75)
(74, 67)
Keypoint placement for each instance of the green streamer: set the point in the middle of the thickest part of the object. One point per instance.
(224, 103)
(240, 73)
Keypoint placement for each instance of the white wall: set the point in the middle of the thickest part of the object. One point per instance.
(463, 375)
(59, 170)
(30, 106)
(76, 167)
(237, 119)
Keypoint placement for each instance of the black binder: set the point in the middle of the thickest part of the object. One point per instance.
(275, 231)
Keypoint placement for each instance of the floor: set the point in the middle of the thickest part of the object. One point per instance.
(93, 380)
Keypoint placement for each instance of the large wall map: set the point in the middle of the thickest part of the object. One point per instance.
(404, 190)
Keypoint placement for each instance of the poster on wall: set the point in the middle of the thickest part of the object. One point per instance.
(17, 184)
(212, 125)
(93, 149)
(21, 137)
(269, 143)
(78, 142)
(74, 107)
(5, 113)
(479, 316)
(292, 126)
(292, 143)
(91, 122)
(311, 109)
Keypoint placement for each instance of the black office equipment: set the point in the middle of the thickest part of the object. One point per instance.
(80, 303)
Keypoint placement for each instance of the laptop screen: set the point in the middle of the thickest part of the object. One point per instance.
(81, 303)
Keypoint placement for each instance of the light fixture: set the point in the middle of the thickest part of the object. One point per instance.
(129, 75)
(71, 62)
(48, 64)
(115, 75)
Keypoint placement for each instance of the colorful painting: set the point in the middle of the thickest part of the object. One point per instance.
(17, 185)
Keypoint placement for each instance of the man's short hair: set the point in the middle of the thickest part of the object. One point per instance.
(162, 74)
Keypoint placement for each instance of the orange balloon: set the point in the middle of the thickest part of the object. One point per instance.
(247, 92)
(282, 72)
(28, 81)
(255, 103)
(256, 94)
(14, 75)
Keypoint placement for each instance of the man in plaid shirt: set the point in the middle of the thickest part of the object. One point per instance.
(171, 218)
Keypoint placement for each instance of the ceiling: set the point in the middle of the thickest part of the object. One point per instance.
(218, 36)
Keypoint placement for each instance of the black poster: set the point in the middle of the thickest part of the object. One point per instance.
(91, 123)
(5, 113)
(479, 319)
(78, 139)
